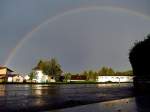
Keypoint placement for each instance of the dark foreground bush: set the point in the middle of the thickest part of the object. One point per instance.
(139, 57)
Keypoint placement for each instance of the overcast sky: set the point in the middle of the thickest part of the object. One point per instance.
(81, 34)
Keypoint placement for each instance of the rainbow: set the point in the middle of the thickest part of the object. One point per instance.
(52, 19)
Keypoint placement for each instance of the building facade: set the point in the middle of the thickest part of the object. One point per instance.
(15, 78)
(115, 78)
(78, 78)
(4, 73)
(40, 77)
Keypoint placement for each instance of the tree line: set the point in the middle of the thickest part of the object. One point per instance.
(53, 68)
(49, 67)
(104, 71)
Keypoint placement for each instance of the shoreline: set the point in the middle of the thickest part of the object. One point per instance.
(70, 83)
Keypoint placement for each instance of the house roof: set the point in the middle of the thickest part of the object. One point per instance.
(2, 67)
(78, 77)
(2, 76)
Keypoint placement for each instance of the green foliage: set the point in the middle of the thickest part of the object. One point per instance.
(50, 67)
(41, 65)
(32, 75)
(85, 73)
(91, 75)
(53, 68)
(106, 71)
(125, 73)
(129, 72)
(109, 72)
(67, 76)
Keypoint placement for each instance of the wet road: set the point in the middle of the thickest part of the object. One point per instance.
(36, 97)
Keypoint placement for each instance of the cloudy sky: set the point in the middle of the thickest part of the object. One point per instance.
(81, 34)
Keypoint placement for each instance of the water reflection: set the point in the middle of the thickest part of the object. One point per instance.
(44, 90)
(122, 105)
(56, 96)
(142, 103)
(2, 90)
(36, 90)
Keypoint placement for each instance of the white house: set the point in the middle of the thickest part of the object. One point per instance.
(18, 78)
(39, 75)
(10, 79)
(4, 73)
(115, 79)
(26, 78)
(42, 78)
(15, 78)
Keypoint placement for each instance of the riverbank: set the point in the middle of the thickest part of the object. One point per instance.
(66, 83)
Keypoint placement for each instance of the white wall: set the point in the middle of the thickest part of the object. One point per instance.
(115, 78)
(39, 75)
(41, 78)
(17, 78)
(10, 79)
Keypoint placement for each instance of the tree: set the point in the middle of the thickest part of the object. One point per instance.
(106, 71)
(55, 69)
(41, 65)
(67, 76)
(103, 71)
(110, 71)
(85, 73)
(90, 75)
(129, 73)
(32, 76)
(95, 76)
(50, 67)
(139, 57)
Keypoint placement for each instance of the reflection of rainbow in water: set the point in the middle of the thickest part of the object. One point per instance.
(78, 10)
